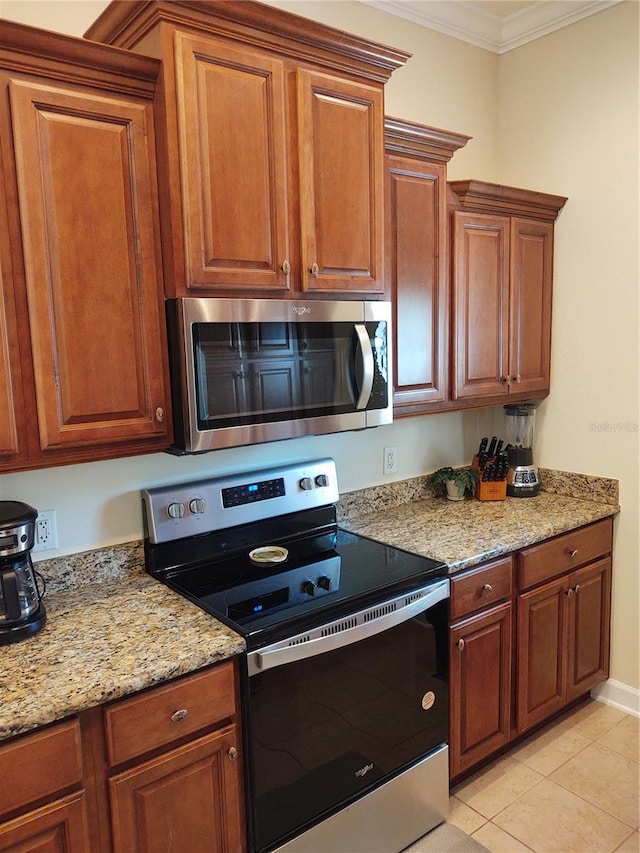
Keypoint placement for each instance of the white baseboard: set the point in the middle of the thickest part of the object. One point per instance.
(618, 695)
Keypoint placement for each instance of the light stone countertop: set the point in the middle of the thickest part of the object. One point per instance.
(113, 630)
(102, 641)
(463, 534)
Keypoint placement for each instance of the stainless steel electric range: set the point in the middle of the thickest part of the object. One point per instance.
(345, 684)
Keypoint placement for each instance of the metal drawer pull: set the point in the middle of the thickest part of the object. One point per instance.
(460, 644)
(577, 590)
(179, 715)
(573, 553)
(233, 753)
(286, 267)
(315, 270)
(569, 593)
(487, 588)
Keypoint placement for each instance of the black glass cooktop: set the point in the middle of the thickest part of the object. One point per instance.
(327, 573)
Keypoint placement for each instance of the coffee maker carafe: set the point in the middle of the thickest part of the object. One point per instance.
(22, 612)
(522, 476)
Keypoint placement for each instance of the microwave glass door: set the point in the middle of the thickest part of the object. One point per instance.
(263, 372)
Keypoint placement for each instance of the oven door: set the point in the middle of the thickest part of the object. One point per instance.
(338, 711)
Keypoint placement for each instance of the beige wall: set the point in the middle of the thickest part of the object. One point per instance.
(559, 115)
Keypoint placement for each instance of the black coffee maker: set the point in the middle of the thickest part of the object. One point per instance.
(22, 612)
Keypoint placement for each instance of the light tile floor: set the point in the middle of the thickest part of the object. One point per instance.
(572, 787)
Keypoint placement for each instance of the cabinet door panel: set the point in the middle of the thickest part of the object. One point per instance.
(340, 140)
(86, 207)
(481, 304)
(59, 827)
(480, 658)
(542, 637)
(186, 801)
(589, 628)
(530, 299)
(9, 405)
(233, 160)
(416, 242)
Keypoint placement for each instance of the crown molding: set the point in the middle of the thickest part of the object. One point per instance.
(469, 21)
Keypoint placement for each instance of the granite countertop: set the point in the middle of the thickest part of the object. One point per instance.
(113, 630)
(119, 633)
(465, 533)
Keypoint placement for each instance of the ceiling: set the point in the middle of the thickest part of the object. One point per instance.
(496, 25)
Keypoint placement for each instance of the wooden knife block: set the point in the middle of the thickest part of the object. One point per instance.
(491, 490)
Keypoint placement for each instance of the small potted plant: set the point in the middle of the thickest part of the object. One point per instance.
(456, 482)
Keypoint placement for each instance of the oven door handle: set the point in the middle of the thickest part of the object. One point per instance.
(368, 368)
(367, 625)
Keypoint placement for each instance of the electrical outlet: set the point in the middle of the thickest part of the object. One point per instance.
(46, 538)
(390, 460)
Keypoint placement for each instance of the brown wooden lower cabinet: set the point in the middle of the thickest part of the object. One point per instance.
(159, 770)
(186, 800)
(506, 678)
(480, 679)
(60, 827)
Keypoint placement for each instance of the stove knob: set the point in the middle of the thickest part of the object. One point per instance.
(308, 587)
(322, 480)
(306, 483)
(197, 506)
(175, 510)
(325, 583)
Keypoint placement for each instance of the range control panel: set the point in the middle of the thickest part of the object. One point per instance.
(189, 509)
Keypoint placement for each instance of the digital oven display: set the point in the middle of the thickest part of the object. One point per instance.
(250, 493)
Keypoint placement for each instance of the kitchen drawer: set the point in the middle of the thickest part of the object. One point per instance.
(478, 588)
(564, 553)
(39, 765)
(164, 715)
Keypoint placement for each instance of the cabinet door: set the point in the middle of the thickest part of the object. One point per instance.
(480, 678)
(542, 658)
(10, 406)
(589, 623)
(416, 245)
(530, 305)
(85, 168)
(187, 800)
(231, 117)
(480, 305)
(59, 827)
(341, 166)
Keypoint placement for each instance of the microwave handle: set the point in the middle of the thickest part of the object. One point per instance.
(365, 353)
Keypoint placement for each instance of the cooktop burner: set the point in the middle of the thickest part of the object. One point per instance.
(306, 568)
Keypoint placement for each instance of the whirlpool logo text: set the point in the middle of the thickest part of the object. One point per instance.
(363, 770)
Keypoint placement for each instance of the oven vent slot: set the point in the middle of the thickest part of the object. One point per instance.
(414, 597)
(298, 640)
(339, 627)
(377, 612)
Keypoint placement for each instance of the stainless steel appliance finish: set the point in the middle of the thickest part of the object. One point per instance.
(245, 371)
(345, 685)
(389, 818)
(22, 612)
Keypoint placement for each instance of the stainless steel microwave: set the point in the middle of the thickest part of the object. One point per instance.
(246, 371)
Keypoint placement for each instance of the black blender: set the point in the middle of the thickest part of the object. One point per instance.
(522, 476)
(22, 612)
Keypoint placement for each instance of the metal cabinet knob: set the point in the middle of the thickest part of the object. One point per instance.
(460, 644)
(179, 715)
(315, 270)
(159, 414)
(569, 593)
(232, 753)
(286, 267)
(573, 553)
(577, 588)
(487, 588)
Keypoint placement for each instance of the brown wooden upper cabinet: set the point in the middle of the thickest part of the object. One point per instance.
(416, 261)
(502, 261)
(271, 160)
(83, 367)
